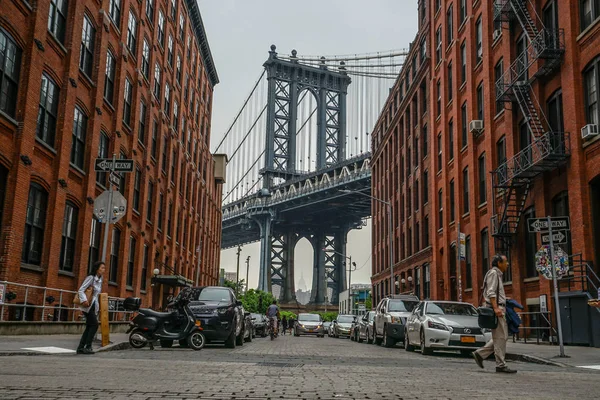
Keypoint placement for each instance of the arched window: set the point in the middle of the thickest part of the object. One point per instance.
(35, 224)
(69, 237)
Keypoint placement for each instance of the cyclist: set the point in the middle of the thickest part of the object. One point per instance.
(273, 315)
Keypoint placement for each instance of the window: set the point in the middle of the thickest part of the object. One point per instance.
(425, 142)
(161, 199)
(479, 40)
(78, 141)
(10, 65)
(464, 123)
(560, 208)
(35, 224)
(189, 46)
(526, 154)
(69, 237)
(439, 97)
(142, 125)
(482, 180)
(417, 237)
(591, 83)
(480, 101)
(178, 70)
(426, 281)
(173, 9)
(128, 95)
(409, 241)
(485, 251)
(170, 50)
(145, 58)
(181, 26)
(463, 62)
(468, 264)
(463, 11)
(438, 45)
(439, 157)
(416, 200)
(426, 231)
(109, 77)
(501, 156)
(136, 189)
(130, 261)
(48, 110)
(114, 255)
(95, 240)
(590, 11)
(114, 10)
(103, 149)
(423, 51)
(154, 146)
(425, 187)
(145, 255)
(451, 140)
(409, 202)
(418, 282)
(150, 10)
(522, 61)
(466, 190)
(164, 155)
(86, 52)
(450, 25)
(440, 210)
(161, 28)
(176, 116)
(498, 71)
(167, 108)
(452, 202)
(531, 246)
(170, 219)
(157, 82)
(450, 82)
(149, 204)
(57, 19)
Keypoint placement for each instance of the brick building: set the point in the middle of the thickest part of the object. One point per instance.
(490, 128)
(86, 79)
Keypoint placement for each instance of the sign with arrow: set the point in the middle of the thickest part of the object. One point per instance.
(541, 224)
(106, 164)
(557, 238)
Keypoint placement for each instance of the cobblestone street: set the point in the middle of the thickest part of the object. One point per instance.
(287, 368)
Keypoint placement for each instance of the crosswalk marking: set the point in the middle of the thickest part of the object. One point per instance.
(589, 366)
(50, 350)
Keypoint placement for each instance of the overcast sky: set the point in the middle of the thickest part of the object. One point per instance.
(240, 33)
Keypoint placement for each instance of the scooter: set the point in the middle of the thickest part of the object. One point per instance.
(150, 326)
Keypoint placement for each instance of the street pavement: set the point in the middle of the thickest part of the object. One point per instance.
(286, 368)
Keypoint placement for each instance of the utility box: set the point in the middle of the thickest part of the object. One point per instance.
(220, 167)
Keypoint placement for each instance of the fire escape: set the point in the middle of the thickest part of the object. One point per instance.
(548, 149)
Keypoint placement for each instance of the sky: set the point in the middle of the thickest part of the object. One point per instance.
(240, 33)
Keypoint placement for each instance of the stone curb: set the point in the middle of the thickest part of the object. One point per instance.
(535, 360)
(110, 347)
(114, 347)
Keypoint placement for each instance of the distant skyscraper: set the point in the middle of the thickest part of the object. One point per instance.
(301, 283)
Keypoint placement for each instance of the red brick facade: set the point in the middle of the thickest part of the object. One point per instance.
(185, 183)
(573, 188)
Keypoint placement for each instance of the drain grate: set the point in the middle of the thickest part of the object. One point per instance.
(277, 364)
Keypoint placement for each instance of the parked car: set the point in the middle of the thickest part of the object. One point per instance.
(390, 317)
(342, 324)
(365, 327)
(330, 329)
(248, 327)
(309, 324)
(220, 313)
(260, 324)
(326, 326)
(442, 325)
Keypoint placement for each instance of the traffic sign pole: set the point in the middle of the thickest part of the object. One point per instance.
(109, 211)
(555, 283)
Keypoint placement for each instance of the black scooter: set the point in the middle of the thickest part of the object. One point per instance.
(150, 326)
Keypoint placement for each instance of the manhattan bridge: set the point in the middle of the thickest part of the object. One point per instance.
(299, 163)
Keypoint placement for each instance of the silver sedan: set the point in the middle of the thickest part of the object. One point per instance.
(439, 325)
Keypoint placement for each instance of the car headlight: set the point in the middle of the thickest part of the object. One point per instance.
(435, 325)
(222, 310)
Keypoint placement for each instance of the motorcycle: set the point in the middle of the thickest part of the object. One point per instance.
(150, 326)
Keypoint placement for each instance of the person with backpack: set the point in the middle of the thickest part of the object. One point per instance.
(88, 304)
(493, 293)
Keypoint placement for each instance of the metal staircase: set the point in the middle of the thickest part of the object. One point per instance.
(512, 180)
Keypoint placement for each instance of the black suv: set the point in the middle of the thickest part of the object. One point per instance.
(220, 313)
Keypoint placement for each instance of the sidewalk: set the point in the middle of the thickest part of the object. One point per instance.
(51, 344)
(577, 356)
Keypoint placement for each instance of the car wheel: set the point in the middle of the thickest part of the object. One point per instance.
(249, 338)
(360, 339)
(375, 338)
(426, 351)
(230, 341)
(407, 345)
(167, 344)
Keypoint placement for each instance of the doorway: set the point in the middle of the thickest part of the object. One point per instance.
(3, 182)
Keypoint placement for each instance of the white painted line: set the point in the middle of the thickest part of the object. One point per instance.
(589, 366)
(50, 350)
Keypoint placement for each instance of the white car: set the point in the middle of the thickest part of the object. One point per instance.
(390, 318)
(440, 325)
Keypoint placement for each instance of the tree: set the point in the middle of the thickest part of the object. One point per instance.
(238, 287)
(369, 303)
(256, 301)
(328, 316)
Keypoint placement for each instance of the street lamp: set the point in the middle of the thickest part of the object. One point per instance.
(352, 264)
(403, 283)
(410, 283)
(390, 230)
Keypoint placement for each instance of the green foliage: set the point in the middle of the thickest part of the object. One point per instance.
(237, 287)
(288, 315)
(252, 301)
(369, 303)
(328, 316)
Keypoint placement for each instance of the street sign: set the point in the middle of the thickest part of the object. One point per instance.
(541, 224)
(543, 303)
(106, 164)
(463, 247)
(115, 178)
(557, 238)
(101, 207)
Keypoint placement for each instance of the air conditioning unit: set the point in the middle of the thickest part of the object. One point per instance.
(476, 126)
(589, 131)
(497, 33)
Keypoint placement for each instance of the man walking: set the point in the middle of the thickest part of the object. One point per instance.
(493, 292)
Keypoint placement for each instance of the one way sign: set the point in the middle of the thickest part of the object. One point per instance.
(557, 238)
(106, 164)
(541, 224)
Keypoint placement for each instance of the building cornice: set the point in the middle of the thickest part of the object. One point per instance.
(200, 32)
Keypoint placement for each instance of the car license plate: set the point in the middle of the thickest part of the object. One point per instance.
(467, 339)
(310, 330)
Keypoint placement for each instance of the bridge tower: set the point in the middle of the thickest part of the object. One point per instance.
(287, 79)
